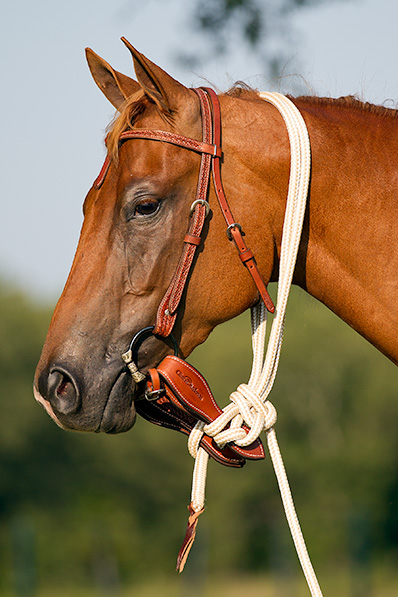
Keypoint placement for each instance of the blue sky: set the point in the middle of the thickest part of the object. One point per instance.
(53, 116)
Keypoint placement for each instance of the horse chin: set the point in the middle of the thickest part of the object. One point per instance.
(119, 414)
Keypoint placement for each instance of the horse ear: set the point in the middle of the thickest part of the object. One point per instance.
(114, 85)
(157, 84)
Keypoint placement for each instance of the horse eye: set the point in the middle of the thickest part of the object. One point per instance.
(147, 207)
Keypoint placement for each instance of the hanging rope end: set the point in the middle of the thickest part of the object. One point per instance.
(189, 537)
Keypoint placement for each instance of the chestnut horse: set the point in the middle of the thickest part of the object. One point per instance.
(135, 222)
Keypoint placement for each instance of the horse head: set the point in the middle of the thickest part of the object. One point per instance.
(135, 219)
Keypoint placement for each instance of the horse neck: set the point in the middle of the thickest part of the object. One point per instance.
(347, 258)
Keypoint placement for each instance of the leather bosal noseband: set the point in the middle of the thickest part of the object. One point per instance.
(177, 395)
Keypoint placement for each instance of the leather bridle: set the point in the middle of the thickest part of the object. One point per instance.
(173, 397)
(210, 148)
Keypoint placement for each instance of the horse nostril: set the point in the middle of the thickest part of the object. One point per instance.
(62, 392)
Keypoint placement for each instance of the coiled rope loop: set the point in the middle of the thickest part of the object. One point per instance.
(249, 403)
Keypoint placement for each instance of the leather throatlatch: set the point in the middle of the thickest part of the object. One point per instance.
(234, 230)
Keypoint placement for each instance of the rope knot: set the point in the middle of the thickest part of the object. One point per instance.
(246, 407)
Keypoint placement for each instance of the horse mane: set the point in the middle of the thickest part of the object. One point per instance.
(243, 91)
(348, 101)
(138, 102)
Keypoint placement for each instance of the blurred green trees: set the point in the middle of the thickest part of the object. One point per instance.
(264, 28)
(105, 511)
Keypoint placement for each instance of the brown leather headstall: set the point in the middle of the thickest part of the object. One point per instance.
(176, 396)
(211, 158)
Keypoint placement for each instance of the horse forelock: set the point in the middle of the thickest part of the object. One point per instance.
(124, 120)
(137, 103)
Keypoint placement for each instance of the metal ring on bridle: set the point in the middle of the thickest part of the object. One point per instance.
(231, 227)
(200, 202)
(129, 355)
(146, 332)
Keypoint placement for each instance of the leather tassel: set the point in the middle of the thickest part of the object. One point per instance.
(189, 537)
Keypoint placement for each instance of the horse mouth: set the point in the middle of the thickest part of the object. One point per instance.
(119, 414)
(116, 416)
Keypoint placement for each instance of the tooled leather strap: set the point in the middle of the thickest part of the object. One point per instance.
(173, 139)
(211, 123)
(167, 310)
(165, 137)
(98, 182)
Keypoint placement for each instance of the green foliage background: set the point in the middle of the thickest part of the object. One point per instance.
(102, 513)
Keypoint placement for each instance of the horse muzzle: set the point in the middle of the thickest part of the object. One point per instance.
(75, 407)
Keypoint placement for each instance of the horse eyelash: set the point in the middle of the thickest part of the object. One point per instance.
(131, 213)
(148, 201)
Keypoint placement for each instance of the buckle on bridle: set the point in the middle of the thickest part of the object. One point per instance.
(200, 202)
(152, 395)
(231, 227)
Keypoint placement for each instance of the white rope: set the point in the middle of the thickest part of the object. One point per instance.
(249, 402)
